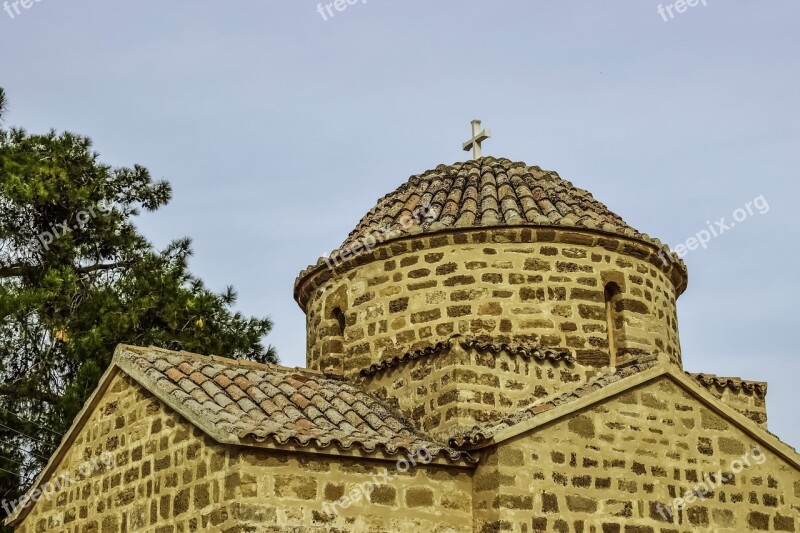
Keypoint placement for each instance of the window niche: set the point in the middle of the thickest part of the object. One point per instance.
(332, 357)
(615, 322)
(338, 315)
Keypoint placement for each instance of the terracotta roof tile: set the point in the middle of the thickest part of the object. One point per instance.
(197, 377)
(712, 380)
(247, 405)
(222, 400)
(487, 192)
(254, 403)
(235, 393)
(174, 374)
(189, 386)
(200, 395)
(334, 416)
(162, 366)
(211, 388)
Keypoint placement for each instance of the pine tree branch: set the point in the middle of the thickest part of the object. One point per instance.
(19, 269)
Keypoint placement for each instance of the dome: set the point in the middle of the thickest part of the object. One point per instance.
(484, 193)
(497, 251)
(487, 192)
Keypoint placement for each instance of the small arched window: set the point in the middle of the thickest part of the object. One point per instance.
(614, 319)
(339, 316)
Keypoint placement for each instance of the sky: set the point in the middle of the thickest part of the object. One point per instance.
(279, 127)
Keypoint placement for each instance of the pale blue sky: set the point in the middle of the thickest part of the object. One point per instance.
(278, 130)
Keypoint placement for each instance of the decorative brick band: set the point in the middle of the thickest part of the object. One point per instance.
(520, 350)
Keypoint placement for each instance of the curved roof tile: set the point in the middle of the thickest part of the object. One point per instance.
(269, 402)
(483, 193)
(489, 192)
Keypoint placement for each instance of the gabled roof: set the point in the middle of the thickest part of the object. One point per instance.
(642, 370)
(242, 402)
(482, 433)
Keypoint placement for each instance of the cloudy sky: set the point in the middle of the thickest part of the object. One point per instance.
(278, 129)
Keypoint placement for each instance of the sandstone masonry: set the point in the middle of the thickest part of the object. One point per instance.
(523, 337)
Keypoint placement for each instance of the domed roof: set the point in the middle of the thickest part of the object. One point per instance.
(481, 193)
(487, 192)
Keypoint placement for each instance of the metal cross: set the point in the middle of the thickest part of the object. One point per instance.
(478, 137)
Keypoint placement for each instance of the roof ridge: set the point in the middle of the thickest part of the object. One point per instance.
(230, 361)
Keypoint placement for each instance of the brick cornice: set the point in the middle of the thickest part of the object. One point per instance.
(523, 350)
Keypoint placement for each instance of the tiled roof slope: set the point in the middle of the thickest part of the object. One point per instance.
(709, 380)
(491, 192)
(256, 402)
(481, 433)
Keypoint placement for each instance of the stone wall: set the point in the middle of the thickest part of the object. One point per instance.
(516, 285)
(454, 387)
(161, 475)
(607, 469)
(169, 478)
(297, 492)
(604, 469)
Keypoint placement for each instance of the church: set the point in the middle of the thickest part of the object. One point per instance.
(491, 349)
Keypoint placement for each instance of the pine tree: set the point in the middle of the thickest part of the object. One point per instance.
(76, 279)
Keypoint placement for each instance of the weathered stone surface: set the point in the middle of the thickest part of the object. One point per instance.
(464, 332)
(609, 486)
(461, 274)
(251, 490)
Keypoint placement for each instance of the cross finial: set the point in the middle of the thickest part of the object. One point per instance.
(478, 137)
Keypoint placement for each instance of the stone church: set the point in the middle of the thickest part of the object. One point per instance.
(491, 349)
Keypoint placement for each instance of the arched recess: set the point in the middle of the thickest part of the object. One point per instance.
(329, 334)
(332, 357)
(615, 322)
(338, 315)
